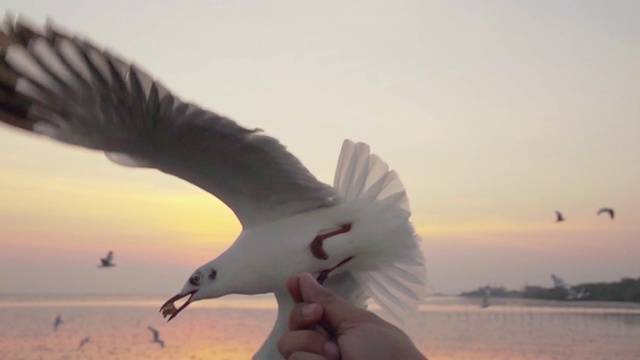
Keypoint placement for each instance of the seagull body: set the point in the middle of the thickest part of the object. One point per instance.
(156, 336)
(608, 211)
(57, 322)
(559, 216)
(354, 236)
(107, 261)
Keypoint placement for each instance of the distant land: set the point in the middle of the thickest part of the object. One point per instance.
(625, 290)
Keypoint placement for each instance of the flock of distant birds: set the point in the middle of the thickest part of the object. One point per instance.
(610, 211)
(106, 262)
(558, 282)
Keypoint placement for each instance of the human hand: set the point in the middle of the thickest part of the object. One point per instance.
(324, 326)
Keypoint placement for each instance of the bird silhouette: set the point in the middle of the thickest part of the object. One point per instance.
(156, 336)
(57, 322)
(83, 342)
(607, 210)
(559, 216)
(107, 261)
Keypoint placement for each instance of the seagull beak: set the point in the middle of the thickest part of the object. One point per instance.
(169, 309)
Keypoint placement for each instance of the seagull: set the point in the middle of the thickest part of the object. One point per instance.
(57, 322)
(84, 342)
(355, 237)
(156, 336)
(607, 210)
(559, 216)
(107, 261)
(572, 294)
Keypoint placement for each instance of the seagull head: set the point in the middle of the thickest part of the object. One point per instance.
(200, 285)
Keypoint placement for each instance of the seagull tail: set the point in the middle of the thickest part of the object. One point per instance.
(396, 279)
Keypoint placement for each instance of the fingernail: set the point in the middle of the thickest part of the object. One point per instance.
(331, 350)
(309, 309)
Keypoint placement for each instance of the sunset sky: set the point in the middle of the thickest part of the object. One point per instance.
(494, 114)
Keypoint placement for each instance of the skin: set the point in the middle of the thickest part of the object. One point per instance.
(324, 326)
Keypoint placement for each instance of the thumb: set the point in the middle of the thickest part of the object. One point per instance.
(337, 311)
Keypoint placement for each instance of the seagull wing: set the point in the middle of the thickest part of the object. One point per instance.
(65, 88)
(109, 257)
(559, 215)
(608, 211)
(154, 332)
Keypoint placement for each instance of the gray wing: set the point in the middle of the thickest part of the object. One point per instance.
(70, 90)
(606, 210)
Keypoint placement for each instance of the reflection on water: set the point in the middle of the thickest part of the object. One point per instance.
(234, 327)
(456, 328)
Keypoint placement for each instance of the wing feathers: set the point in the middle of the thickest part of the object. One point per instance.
(66, 88)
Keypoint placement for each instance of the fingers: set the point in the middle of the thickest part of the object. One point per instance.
(293, 286)
(305, 356)
(308, 342)
(336, 311)
(305, 316)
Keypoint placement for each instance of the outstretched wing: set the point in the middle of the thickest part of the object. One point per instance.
(65, 88)
(606, 210)
(154, 332)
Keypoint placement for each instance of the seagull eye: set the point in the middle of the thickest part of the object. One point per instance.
(194, 280)
(212, 274)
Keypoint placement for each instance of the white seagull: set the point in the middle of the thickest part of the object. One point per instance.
(107, 261)
(572, 293)
(355, 237)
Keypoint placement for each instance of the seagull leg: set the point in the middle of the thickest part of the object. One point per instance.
(316, 244)
(324, 274)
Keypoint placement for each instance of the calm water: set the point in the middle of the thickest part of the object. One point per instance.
(233, 328)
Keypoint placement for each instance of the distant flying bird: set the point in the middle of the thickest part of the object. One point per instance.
(156, 336)
(355, 237)
(607, 210)
(107, 261)
(57, 322)
(84, 342)
(559, 216)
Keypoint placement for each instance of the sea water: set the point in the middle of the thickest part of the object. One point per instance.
(234, 327)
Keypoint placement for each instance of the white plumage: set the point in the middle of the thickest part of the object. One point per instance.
(356, 235)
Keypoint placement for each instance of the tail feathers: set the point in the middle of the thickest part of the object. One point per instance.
(347, 287)
(395, 277)
(397, 288)
(364, 176)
